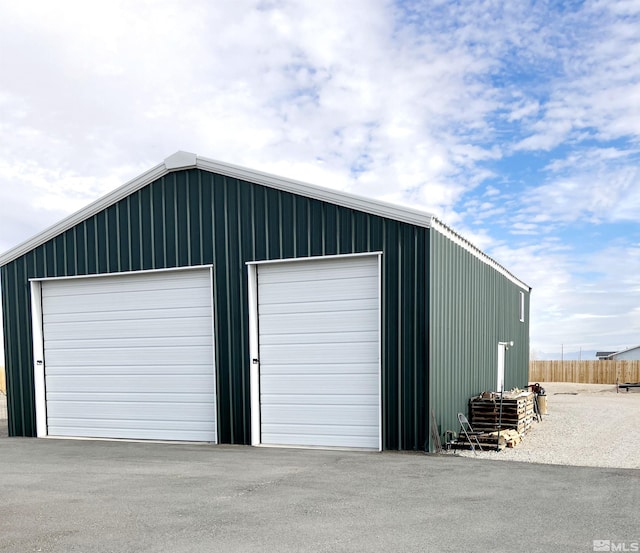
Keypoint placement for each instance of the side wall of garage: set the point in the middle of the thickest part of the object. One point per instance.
(195, 217)
(473, 307)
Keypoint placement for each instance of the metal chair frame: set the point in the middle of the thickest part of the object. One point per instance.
(469, 433)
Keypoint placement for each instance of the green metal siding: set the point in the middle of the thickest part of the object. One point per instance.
(472, 308)
(194, 217)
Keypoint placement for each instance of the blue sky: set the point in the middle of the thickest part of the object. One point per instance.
(516, 123)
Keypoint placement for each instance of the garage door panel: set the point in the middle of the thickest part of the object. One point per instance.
(312, 440)
(319, 352)
(330, 415)
(133, 410)
(335, 353)
(310, 385)
(130, 356)
(108, 343)
(309, 435)
(354, 288)
(120, 302)
(298, 292)
(348, 321)
(128, 370)
(315, 430)
(130, 329)
(138, 384)
(162, 281)
(165, 355)
(315, 307)
(163, 433)
(329, 398)
(345, 336)
(90, 396)
(302, 271)
(156, 314)
(128, 424)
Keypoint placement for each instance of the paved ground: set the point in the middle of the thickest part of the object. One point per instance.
(90, 496)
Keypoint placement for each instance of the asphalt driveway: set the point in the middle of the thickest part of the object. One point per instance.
(91, 496)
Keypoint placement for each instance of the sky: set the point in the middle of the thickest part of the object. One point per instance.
(516, 123)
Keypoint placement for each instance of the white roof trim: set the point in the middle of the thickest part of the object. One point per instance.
(181, 160)
(352, 201)
(86, 212)
(186, 160)
(464, 243)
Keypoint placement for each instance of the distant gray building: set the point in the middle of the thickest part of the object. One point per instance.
(629, 354)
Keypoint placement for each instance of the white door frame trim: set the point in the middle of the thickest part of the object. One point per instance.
(502, 350)
(37, 328)
(37, 332)
(254, 337)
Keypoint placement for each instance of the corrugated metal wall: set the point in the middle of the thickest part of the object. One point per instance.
(472, 307)
(193, 217)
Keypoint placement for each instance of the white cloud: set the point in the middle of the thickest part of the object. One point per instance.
(596, 95)
(524, 110)
(588, 191)
(347, 92)
(420, 103)
(579, 300)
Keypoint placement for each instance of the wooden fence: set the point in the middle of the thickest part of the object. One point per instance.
(587, 372)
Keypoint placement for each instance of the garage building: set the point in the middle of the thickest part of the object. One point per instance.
(212, 303)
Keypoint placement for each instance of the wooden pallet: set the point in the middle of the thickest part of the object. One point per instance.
(517, 412)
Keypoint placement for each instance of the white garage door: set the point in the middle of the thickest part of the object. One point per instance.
(319, 352)
(130, 356)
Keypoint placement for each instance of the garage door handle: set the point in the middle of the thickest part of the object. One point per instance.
(255, 361)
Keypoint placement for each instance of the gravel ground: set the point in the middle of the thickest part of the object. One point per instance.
(588, 425)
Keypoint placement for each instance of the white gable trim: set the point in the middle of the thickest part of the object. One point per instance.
(86, 212)
(186, 160)
(352, 201)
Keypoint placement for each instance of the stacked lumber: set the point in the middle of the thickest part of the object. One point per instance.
(506, 438)
(491, 440)
(517, 412)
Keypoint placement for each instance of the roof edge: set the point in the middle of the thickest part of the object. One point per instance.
(187, 160)
(344, 199)
(625, 350)
(84, 213)
(477, 252)
(181, 160)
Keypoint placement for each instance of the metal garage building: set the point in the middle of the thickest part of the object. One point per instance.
(207, 302)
